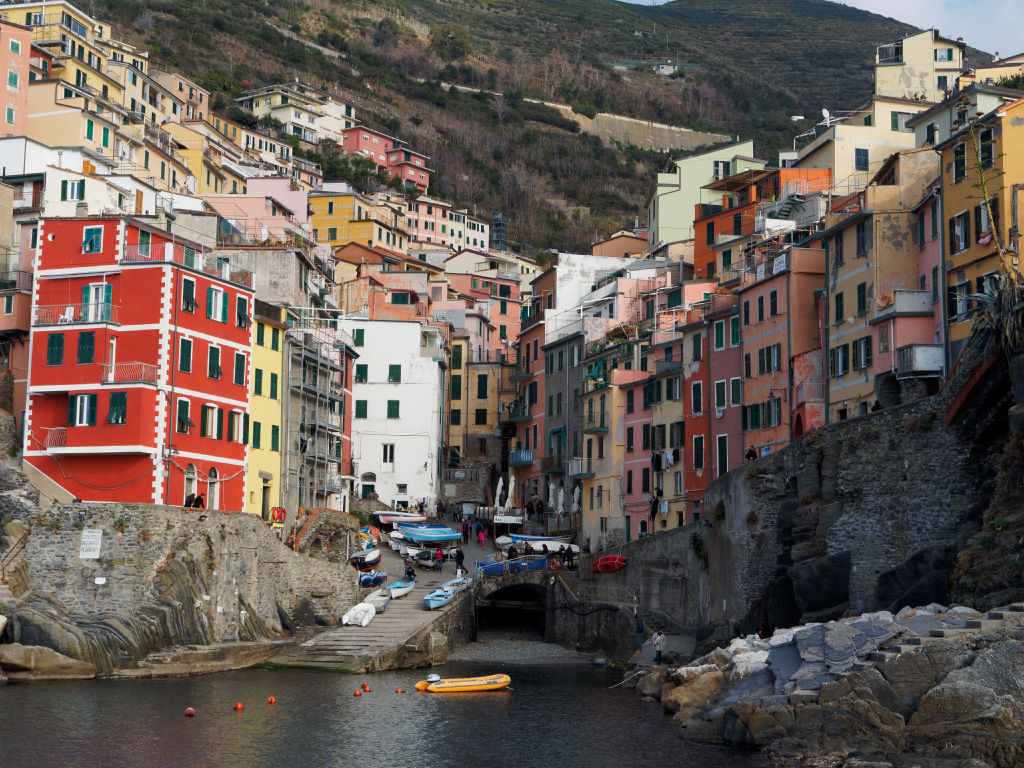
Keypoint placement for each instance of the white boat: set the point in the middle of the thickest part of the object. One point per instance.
(361, 614)
(400, 588)
(365, 558)
(457, 585)
(394, 518)
(380, 600)
(395, 539)
(537, 547)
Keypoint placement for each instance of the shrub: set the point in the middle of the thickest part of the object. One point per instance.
(120, 525)
(719, 511)
(697, 547)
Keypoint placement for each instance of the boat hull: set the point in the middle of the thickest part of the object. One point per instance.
(608, 564)
(400, 588)
(466, 684)
(438, 599)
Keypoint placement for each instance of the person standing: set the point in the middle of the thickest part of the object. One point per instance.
(513, 553)
(640, 628)
(465, 532)
(200, 501)
(190, 501)
(439, 558)
(658, 644)
(460, 558)
(482, 536)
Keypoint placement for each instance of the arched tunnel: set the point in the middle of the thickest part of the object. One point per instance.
(514, 609)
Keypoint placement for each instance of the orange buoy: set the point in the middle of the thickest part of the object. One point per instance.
(271, 700)
(190, 712)
(367, 689)
(364, 686)
(238, 706)
(358, 693)
(399, 690)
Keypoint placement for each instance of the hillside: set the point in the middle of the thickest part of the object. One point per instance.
(754, 65)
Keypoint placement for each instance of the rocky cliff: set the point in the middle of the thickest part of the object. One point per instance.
(162, 579)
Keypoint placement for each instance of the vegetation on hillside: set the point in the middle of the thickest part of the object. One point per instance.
(758, 64)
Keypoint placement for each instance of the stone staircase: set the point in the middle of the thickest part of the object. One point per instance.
(353, 648)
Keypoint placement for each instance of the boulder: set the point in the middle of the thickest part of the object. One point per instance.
(652, 681)
(822, 582)
(689, 698)
(919, 580)
(951, 705)
(38, 663)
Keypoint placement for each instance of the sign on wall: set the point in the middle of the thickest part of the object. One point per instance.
(89, 549)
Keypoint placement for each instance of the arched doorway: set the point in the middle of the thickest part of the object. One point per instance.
(367, 480)
(213, 490)
(798, 425)
(190, 481)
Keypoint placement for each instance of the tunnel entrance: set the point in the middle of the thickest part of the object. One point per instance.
(517, 610)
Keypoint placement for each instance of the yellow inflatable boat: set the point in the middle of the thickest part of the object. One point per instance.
(435, 684)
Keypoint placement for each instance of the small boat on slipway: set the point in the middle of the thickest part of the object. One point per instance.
(400, 588)
(372, 578)
(434, 684)
(446, 593)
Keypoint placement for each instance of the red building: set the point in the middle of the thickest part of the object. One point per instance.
(138, 365)
(391, 154)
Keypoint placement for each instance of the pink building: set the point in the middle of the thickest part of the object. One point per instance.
(16, 50)
(781, 347)
(637, 422)
(435, 222)
(390, 154)
(908, 325)
(499, 300)
(409, 166)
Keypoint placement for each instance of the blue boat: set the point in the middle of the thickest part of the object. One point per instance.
(437, 534)
(372, 578)
(457, 585)
(438, 598)
(543, 539)
(511, 566)
(400, 588)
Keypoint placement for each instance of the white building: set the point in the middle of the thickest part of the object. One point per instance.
(398, 411)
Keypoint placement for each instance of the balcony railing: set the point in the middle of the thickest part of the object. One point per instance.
(904, 302)
(661, 367)
(520, 458)
(810, 392)
(462, 475)
(919, 360)
(56, 437)
(596, 421)
(125, 373)
(189, 257)
(518, 411)
(15, 281)
(552, 465)
(61, 314)
(581, 467)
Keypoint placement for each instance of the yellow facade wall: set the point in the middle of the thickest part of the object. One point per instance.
(265, 463)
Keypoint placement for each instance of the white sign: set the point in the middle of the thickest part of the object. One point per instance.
(760, 271)
(89, 549)
(508, 519)
(779, 265)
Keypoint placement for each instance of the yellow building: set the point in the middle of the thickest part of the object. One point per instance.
(921, 67)
(160, 161)
(265, 410)
(342, 217)
(143, 96)
(60, 115)
(991, 150)
(479, 393)
(601, 468)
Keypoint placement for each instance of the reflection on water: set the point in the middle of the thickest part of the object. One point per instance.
(552, 716)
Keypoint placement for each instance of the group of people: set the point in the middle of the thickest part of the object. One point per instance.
(194, 501)
(564, 556)
(467, 529)
(459, 557)
(657, 639)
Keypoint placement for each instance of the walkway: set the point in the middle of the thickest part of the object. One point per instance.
(354, 648)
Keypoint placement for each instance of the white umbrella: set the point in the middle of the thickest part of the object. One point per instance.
(561, 502)
(551, 493)
(497, 491)
(576, 499)
(511, 491)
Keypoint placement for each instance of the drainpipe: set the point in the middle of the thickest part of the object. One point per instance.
(826, 372)
(789, 344)
(944, 277)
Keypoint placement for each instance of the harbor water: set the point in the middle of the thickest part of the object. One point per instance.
(554, 714)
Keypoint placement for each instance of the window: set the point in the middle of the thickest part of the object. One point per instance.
(931, 133)
(357, 337)
(188, 296)
(982, 223)
(697, 397)
(959, 162)
(216, 304)
(959, 233)
(242, 319)
(480, 416)
(883, 338)
(860, 159)
(86, 347)
(457, 356)
(839, 360)
(238, 427)
(746, 365)
(630, 397)
(92, 240)
(15, 46)
(239, 377)
(393, 410)
(839, 308)
(645, 480)
(760, 309)
(72, 190)
(184, 423)
(773, 303)
(275, 437)
(273, 386)
(361, 373)
(275, 335)
(862, 353)
(935, 284)
(211, 423)
(81, 410)
(698, 451)
(986, 151)
(10, 116)
(711, 233)
(360, 409)
(746, 312)
(394, 373)
(719, 334)
(55, 349)
(862, 299)
(213, 363)
(722, 454)
(695, 344)
(898, 120)
(481, 386)
(257, 381)
(837, 246)
(720, 394)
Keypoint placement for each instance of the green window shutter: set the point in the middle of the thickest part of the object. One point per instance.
(273, 386)
(394, 373)
(239, 368)
(55, 349)
(209, 302)
(188, 288)
(360, 409)
(106, 137)
(257, 382)
(64, 190)
(245, 428)
(185, 356)
(86, 294)
(256, 434)
(72, 401)
(894, 120)
(734, 330)
(457, 357)
(275, 437)
(357, 337)
(91, 418)
(261, 331)
(275, 334)
(719, 335)
(86, 347)
(204, 421)
(481, 386)
(182, 414)
(220, 423)
(224, 308)
(88, 129)
(393, 409)
(456, 393)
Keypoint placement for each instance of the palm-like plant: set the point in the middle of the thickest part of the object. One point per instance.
(998, 319)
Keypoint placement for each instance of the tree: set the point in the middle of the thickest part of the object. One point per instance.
(387, 31)
(450, 42)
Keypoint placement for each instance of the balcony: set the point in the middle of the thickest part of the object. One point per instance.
(75, 314)
(922, 360)
(552, 465)
(15, 281)
(462, 475)
(187, 257)
(596, 422)
(129, 373)
(581, 467)
(518, 411)
(810, 392)
(519, 373)
(663, 367)
(520, 458)
(904, 303)
(333, 484)
(135, 436)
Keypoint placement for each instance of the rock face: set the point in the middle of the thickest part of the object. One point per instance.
(35, 662)
(929, 682)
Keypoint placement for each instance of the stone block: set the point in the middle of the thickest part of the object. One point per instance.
(40, 663)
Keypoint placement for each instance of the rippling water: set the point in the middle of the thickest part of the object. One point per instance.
(560, 716)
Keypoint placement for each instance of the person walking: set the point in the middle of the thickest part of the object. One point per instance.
(465, 532)
(640, 628)
(658, 644)
(481, 536)
(460, 558)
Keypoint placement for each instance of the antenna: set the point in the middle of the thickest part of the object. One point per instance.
(825, 114)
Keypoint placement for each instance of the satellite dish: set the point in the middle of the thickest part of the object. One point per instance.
(825, 114)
